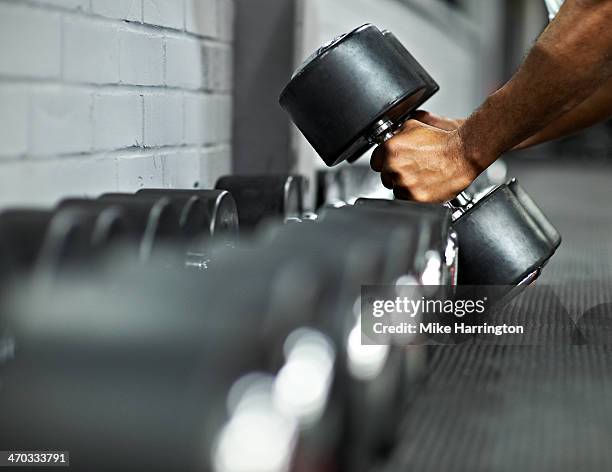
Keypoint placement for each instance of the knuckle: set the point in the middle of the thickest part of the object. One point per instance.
(389, 147)
(422, 195)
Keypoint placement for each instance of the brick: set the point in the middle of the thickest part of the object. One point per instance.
(224, 113)
(214, 163)
(140, 58)
(197, 116)
(218, 67)
(60, 121)
(201, 17)
(13, 120)
(117, 121)
(182, 169)
(130, 10)
(184, 65)
(30, 41)
(139, 171)
(168, 13)
(68, 4)
(46, 182)
(91, 51)
(163, 120)
(225, 19)
(210, 120)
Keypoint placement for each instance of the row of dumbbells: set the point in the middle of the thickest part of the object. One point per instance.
(176, 224)
(254, 364)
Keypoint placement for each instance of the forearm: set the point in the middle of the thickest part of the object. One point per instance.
(569, 62)
(595, 109)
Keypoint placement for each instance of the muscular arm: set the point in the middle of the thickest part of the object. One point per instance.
(595, 109)
(570, 62)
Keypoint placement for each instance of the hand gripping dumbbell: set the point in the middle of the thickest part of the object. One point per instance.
(356, 92)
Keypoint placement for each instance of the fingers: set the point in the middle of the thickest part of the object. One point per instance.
(387, 180)
(435, 121)
(377, 161)
(401, 194)
(426, 117)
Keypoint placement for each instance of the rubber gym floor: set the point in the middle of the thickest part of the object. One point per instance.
(544, 407)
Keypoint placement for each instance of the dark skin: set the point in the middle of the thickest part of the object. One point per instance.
(564, 85)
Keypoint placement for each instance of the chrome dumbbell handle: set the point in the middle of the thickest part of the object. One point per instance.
(383, 130)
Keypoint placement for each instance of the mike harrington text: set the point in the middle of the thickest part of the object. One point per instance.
(438, 328)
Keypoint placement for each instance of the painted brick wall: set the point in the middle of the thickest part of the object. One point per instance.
(113, 95)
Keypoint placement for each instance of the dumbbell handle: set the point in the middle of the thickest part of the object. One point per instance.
(384, 130)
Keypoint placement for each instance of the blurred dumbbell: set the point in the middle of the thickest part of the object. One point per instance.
(357, 92)
(76, 236)
(206, 216)
(265, 197)
(22, 233)
(348, 183)
(46, 242)
(148, 357)
(354, 255)
(155, 223)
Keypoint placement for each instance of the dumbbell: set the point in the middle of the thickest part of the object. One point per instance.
(376, 376)
(79, 237)
(433, 246)
(149, 348)
(357, 92)
(263, 197)
(205, 217)
(22, 233)
(155, 223)
(346, 184)
(211, 214)
(44, 241)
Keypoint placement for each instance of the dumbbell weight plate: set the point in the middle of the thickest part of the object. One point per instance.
(432, 86)
(348, 249)
(336, 97)
(219, 218)
(154, 224)
(80, 236)
(22, 233)
(504, 240)
(259, 198)
(553, 236)
(435, 234)
(156, 370)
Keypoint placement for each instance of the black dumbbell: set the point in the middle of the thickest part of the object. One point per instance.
(356, 252)
(81, 237)
(433, 254)
(345, 185)
(45, 241)
(264, 197)
(353, 91)
(356, 92)
(155, 221)
(211, 214)
(148, 347)
(22, 234)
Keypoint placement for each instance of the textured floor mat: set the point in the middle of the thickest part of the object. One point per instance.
(532, 408)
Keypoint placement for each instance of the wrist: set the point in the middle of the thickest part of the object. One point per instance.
(481, 141)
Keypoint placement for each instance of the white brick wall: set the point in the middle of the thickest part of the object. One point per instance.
(113, 95)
